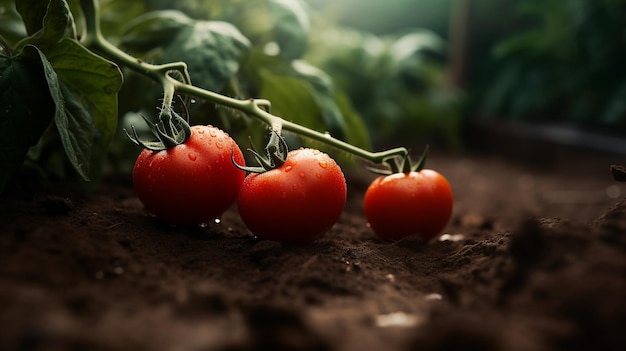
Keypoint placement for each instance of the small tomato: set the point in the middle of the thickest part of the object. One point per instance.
(296, 202)
(402, 204)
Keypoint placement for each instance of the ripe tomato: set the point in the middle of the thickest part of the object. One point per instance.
(403, 204)
(296, 202)
(190, 183)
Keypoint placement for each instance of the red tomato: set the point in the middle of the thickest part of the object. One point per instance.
(403, 204)
(296, 202)
(191, 183)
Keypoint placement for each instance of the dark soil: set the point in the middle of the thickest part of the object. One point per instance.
(533, 259)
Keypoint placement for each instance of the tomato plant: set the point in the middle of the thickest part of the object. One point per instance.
(406, 203)
(295, 202)
(192, 180)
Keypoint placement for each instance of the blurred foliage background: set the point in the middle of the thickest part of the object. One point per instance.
(556, 62)
(378, 73)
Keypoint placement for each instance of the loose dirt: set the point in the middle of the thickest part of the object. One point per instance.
(534, 258)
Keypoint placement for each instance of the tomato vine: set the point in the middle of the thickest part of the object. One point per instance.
(164, 74)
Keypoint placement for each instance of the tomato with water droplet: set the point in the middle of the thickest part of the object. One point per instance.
(191, 183)
(296, 203)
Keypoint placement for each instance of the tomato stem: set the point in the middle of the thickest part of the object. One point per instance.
(257, 108)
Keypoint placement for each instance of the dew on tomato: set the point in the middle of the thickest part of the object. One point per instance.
(191, 183)
(297, 202)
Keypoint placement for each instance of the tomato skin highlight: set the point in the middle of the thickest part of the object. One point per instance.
(403, 204)
(191, 183)
(297, 202)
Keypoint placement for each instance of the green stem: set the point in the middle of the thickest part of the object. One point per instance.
(257, 108)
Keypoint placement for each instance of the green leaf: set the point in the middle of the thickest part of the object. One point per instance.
(291, 27)
(46, 31)
(26, 108)
(92, 81)
(212, 50)
(154, 29)
(32, 13)
(305, 95)
(72, 120)
(11, 27)
(321, 89)
(291, 98)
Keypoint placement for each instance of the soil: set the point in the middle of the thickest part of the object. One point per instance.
(534, 258)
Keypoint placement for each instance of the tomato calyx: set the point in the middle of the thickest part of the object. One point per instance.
(397, 164)
(171, 130)
(276, 151)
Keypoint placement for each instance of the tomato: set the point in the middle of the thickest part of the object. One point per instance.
(190, 183)
(297, 202)
(403, 204)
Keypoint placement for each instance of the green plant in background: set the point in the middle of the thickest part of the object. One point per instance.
(396, 82)
(566, 65)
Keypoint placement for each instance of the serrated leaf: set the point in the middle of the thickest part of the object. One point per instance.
(26, 108)
(291, 27)
(212, 50)
(56, 23)
(92, 80)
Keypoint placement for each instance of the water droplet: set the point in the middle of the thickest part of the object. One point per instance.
(217, 220)
(301, 174)
(193, 101)
(219, 144)
(203, 225)
(200, 131)
(323, 164)
(318, 175)
(288, 168)
(327, 134)
(213, 133)
(192, 157)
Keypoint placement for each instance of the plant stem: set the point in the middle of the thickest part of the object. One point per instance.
(257, 108)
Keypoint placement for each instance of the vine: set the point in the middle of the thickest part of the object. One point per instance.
(163, 74)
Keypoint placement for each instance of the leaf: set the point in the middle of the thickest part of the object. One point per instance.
(303, 94)
(291, 27)
(72, 120)
(291, 98)
(11, 26)
(32, 13)
(321, 89)
(154, 29)
(92, 81)
(26, 108)
(56, 24)
(212, 51)
(75, 128)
